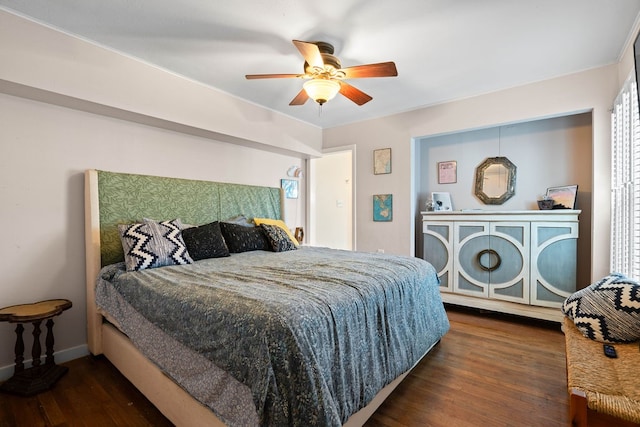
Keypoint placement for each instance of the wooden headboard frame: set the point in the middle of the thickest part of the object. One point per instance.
(134, 197)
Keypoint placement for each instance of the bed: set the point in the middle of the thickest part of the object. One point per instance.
(310, 336)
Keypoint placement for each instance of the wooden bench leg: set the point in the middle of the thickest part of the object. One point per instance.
(578, 408)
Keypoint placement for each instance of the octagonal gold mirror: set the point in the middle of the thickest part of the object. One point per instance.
(495, 180)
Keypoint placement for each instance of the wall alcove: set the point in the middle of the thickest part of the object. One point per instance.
(547, 152)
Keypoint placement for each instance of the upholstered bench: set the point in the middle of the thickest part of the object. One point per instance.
(603, 391)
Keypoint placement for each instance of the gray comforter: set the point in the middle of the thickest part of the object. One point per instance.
(313, 333)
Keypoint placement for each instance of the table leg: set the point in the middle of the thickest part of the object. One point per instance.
(19, 349)
(49, 344)
(36, 350)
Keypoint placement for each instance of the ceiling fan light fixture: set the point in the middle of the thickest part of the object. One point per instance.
(321, 90)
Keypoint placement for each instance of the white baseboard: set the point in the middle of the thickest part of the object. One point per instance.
(60, 357)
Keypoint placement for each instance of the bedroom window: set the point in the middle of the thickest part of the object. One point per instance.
(625, 182)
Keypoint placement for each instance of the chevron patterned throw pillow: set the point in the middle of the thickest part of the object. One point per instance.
(153, 244)
(608, 310)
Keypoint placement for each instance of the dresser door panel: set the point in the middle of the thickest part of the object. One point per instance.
(555, 253)
(471, 240)
(510, 280)
(437, 249)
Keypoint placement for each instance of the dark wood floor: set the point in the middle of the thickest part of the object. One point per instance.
(489, 370)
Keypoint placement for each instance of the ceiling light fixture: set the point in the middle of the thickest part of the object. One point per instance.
(321, 90)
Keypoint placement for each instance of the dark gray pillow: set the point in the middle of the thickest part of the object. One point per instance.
(205, 241)
(608, 310)
(240, 238)
(278, 238)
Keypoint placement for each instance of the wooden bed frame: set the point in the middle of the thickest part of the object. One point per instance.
(103, 338)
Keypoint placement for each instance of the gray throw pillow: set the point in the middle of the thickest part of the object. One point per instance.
(240, 238)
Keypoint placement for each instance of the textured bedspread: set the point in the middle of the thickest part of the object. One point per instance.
(314, 333)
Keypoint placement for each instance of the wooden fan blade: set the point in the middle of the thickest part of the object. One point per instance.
(354, 94)
(310, 53)
(300, 98)
(272, 76)
(382, 69)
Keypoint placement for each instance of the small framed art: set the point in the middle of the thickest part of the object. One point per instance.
(383, 207)
(441, 201)
(447, 172)
(290, 187)
(382, 161)
(563, 197)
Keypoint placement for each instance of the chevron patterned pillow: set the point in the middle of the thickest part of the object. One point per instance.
(608, 310)
(153, 244)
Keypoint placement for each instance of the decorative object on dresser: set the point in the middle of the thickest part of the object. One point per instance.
(37, 378)
(441, 201)
(495, 180)
(563, 197)
(518, 262)
(545, 204)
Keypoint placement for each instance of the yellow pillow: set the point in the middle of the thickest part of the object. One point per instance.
(278, 222)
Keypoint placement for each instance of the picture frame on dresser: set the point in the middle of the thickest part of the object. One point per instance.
(441, 201)
(564, 197)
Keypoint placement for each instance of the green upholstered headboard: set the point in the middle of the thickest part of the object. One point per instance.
(127, 198)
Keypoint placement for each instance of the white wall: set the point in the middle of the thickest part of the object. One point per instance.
(67, 106)
(61, 68)
(44, 151)
(589, 91)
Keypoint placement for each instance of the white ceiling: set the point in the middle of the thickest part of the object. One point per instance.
(444, 49)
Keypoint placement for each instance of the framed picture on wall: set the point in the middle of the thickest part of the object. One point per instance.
(382, 161)
(447, 172)
(563, 197)
(383, 207)
(290, 187)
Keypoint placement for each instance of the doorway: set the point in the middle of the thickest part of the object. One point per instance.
(331, 199)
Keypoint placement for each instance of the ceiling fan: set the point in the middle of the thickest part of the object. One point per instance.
(325, 75)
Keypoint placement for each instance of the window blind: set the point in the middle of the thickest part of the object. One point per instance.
(625, 182)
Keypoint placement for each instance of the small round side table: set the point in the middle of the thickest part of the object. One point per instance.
(37, 378)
